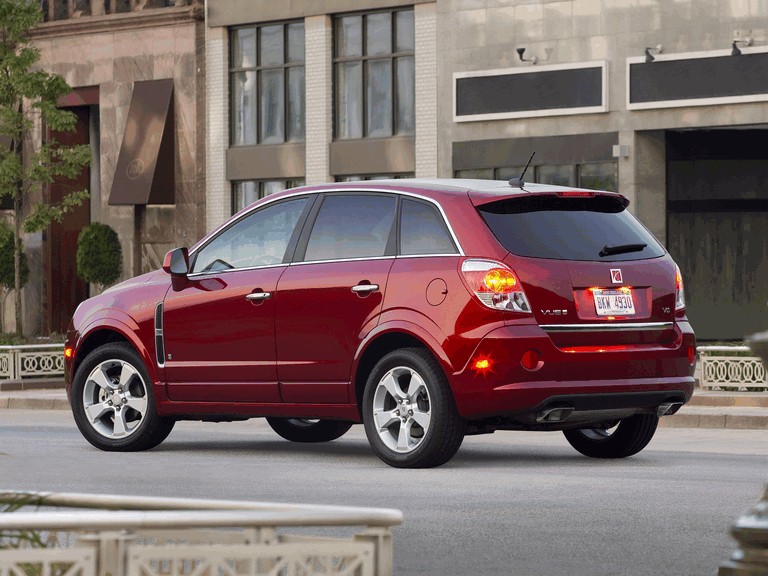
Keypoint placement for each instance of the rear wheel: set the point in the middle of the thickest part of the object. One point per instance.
(409, 413)
(306, 430)
(112, 401)
(614, 440)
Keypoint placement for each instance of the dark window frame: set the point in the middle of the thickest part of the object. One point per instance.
(256, 69)
(363, 58)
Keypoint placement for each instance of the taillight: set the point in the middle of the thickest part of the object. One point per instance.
(679, 290)
(495, 285)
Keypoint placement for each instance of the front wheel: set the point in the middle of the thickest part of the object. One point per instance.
(304, 430)
(410, 417)
(614, 441)
(112, 401)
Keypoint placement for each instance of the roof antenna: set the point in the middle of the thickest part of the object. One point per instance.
(519, 181)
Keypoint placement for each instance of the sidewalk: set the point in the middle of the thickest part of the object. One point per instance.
(732, 410)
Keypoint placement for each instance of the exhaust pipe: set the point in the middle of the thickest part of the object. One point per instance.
(668, 408)
(554, 414)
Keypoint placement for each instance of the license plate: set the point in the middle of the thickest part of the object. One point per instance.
(613, 303)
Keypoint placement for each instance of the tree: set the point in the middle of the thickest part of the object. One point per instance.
(99, 256)
(7, 273)
(28, 98)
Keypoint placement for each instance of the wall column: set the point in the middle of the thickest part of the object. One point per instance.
(218, 205)
(319, 97)
(425, 28)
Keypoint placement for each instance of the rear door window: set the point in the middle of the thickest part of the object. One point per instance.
(423, 230)
(352, 226)
(595, 228)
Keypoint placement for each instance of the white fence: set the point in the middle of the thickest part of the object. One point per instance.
(722, 367)
(33, 361)
(180, 537)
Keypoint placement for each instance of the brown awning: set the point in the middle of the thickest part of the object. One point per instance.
(146, 168)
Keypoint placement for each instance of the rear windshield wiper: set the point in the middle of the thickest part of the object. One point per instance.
(621, 249)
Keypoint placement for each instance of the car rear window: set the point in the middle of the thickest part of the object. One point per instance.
(595, 228)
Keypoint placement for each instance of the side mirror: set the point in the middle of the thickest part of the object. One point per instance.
(176, 262)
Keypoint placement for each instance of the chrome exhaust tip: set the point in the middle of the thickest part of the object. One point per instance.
(554, 414)
(668, 408)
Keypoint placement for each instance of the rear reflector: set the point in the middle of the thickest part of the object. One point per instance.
(531, 360)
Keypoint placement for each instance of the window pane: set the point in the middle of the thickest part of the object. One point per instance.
(379, 97)
(404, 35)
(560, 175)
(599, 176)
(246, 193)
(258, 239)
(349, 36)
(406, 103)
(296, 103)
(271, 187)
(271, 107)
(244, 108)
(349, 105)
(476, 173)
(351, 227)
(513, 172)
(244, 48)
(296, 42)
(378, 34)
(271, 45)
(423, 230)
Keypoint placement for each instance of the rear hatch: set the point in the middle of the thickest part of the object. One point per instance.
(593, 274)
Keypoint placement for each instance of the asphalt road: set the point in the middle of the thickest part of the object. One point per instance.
(513, 503)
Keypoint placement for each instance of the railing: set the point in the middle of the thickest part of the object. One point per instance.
(723, 367)
(35, 361)
(184, 537)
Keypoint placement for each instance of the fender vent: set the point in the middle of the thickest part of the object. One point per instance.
(159, 343)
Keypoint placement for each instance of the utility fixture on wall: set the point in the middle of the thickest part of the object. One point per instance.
(534, 59)
(735, 49)
(658, 49)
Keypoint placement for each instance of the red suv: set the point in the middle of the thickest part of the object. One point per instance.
(425, 309)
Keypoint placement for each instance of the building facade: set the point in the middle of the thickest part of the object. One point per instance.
(665, 101)
(137, 69)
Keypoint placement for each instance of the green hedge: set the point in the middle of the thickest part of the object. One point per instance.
(99, 257)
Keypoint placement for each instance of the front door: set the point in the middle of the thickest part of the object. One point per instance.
(219, 326)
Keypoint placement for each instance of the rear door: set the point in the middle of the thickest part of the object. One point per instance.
(331, 296)
(589, 268)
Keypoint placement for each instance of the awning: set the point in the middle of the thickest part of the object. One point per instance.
(145, 172)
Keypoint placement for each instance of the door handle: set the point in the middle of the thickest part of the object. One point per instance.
(365, 288)
(258, 296)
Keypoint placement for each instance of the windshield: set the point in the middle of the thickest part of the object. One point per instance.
(597, 228)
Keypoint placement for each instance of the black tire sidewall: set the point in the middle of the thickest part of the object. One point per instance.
(429, 453)
(145, 435)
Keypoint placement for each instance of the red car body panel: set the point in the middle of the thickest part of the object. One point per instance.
(300, 352)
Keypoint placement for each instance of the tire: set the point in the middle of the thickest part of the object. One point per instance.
(409, 413)
(628, 438)
(113, 403)
(304, 430)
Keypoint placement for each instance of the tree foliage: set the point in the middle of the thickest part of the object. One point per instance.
(28, 102)
(99, 257)
(7, 242)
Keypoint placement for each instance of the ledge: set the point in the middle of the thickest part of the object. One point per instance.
(149, 18)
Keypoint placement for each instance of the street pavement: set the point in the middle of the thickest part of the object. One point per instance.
(512, 503)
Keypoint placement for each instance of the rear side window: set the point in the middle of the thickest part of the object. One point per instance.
(595, 228)
(423, 230)
(352, 226)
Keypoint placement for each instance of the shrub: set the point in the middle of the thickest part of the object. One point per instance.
(99, 257)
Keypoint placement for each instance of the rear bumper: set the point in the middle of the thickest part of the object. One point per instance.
(629, 379)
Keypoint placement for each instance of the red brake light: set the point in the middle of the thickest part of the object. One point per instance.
(576, 194)
(495, 285)
(679, 290)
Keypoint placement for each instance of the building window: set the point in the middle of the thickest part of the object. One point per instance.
(594, 175)
(362, 177)
(267, 84)
(374, 75)
(246, 192)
